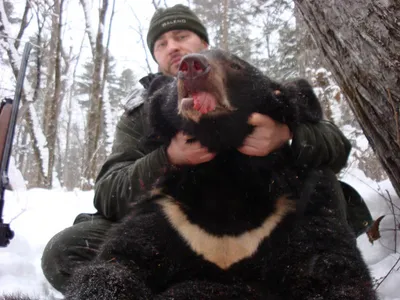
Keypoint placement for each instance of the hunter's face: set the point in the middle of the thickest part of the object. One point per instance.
(172, 46)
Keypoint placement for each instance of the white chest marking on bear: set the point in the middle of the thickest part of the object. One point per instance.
(226, 250)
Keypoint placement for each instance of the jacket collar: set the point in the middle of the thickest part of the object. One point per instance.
(146, 80)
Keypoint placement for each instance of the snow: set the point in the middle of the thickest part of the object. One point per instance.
(41, 142)
(15, 177)
(8, 30)
(381, 255)
(108, 120)
(15, 61)
(37, 214)
(134, 98)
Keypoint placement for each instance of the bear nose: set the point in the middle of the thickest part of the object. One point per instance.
(193, 66)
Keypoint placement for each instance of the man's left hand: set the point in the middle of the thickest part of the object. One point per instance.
(267, 136)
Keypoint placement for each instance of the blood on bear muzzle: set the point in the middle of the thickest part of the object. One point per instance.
(199, 90)
(202, 102)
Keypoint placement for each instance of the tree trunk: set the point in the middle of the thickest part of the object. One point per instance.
(53, 107)
(361, 42)
(107, 114)
(225, 25)
(68, 179)
(95, 110)
(50, 81)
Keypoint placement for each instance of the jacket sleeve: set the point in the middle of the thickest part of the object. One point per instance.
(128, 171)
(317, 144)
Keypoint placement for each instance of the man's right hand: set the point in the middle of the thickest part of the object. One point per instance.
(181, 152)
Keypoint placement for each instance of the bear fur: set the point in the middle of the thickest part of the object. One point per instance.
(237, 227)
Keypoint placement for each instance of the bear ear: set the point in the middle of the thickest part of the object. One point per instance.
(158, 83)
(160, 112)
(304, 101)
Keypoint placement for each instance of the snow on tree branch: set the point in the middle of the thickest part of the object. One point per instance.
(108, 121)
(15, 59)
(6, 31)
(40, 139)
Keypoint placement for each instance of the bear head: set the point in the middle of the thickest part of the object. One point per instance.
(214, 94)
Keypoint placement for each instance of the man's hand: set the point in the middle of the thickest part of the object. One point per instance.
(267, 136)
(180, 152)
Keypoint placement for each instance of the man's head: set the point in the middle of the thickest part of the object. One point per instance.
(173, 33)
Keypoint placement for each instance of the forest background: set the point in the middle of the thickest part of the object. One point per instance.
(87, 56)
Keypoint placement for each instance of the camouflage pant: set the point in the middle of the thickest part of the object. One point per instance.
(73, 247)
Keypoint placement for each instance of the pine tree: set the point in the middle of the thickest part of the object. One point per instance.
(229, 25)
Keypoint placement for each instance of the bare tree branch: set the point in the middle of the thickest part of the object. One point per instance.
(40, 24)
(70, 90)
(140, 31)
(24, 24)
(34, 131)
(156, 5)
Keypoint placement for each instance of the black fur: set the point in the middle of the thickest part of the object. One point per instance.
(310, 254)
(248, 90)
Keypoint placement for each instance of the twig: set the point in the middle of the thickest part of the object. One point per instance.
(20, 40)
(394, 221)
(24, 24)
(156, 5)
(139, 31)
(378, 191)
(377, 287)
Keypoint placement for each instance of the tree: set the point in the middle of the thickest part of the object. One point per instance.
(336, 109)
(53, 102)
(94, 116)
(84, 84)
(361, 44)
(228, 24)
(28, 110)
(126, 81)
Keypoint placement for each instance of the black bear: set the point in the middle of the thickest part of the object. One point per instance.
(237, 227)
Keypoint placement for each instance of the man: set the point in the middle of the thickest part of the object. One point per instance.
(131, 169)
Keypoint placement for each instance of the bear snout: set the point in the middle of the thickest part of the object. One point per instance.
(192, 69)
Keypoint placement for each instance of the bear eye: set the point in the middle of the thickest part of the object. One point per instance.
(236, 66)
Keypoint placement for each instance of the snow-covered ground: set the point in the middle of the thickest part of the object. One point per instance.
(36, 215)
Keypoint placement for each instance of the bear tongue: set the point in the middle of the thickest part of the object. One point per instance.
(204, 102)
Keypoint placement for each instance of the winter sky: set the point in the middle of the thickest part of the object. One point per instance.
(125, 43)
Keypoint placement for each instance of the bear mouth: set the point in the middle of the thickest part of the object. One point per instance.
(198, 104)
